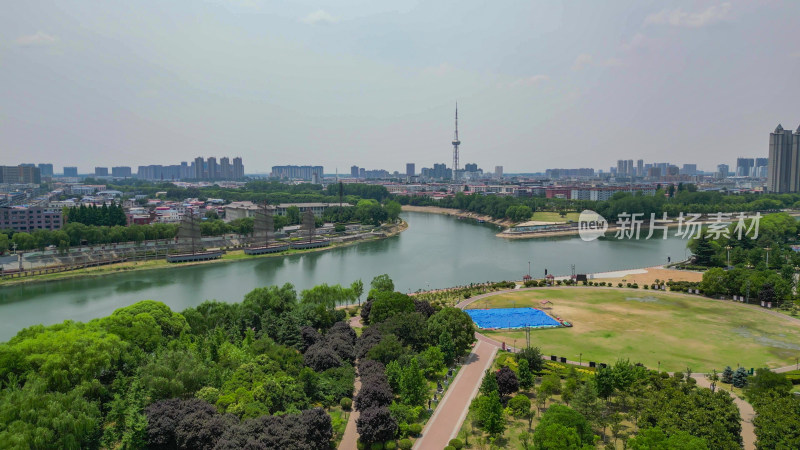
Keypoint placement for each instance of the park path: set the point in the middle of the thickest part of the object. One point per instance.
(452, 410)
(350, 436)
(746, 413)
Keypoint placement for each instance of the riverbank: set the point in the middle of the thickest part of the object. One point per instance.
(457, 213)
(230, 256)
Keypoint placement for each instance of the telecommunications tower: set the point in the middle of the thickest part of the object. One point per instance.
(456, 143)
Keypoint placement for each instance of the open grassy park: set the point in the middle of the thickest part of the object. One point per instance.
(549, 216)
(678, 330)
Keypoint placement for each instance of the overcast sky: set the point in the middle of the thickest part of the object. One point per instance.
(374, 83)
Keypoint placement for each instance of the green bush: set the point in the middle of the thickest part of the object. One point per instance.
(646, 286)
(391, 445)
(405, 444)
(346, 403)
(415, 429)
(449, 447)
(520, 404)
(360, 445)
(456, 444)
(376, 446)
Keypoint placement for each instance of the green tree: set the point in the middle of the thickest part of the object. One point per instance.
(525, 374)
(656, 439)
(490, 414)
(457, 324)
(413, 387)
(555, 436)
(382, 283)
(489, 383)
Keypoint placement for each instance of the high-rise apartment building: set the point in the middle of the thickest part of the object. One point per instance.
(238, 168)
(46, 170)
(70, 171)
(212, 168)
(101, 171)
(354, 171)
(22, 174)
(411, 169)
(121, 172)
(783, 172)
(225, 171)
(744, 166)
(640, 168)
(723, 170)
(498, 171)
(689, 169)
(199, 168)
(296, 172)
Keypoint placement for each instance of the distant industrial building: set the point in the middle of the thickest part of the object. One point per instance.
(30, 219)
(22, 174)
(296, 172)
(783, 174)
(121, 172)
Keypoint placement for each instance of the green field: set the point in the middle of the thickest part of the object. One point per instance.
(546, 216)
(678, 330)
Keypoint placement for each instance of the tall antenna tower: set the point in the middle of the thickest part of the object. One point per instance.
(456, 143)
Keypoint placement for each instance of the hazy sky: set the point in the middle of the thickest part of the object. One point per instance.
(374, 83)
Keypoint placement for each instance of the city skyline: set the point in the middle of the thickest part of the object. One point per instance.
(553, 83)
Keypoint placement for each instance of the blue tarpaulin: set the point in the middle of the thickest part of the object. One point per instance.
(511, 318)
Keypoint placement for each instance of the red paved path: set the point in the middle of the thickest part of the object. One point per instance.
(451, 411)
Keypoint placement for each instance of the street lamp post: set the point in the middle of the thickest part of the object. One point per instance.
(728, 248)
(767, 250)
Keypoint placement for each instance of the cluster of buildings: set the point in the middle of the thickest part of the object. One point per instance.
(313, 173)
(199, 169)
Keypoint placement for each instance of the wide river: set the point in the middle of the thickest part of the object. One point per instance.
(436, 251)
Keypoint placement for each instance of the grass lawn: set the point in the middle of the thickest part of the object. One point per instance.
(547, 216)
(678, 330)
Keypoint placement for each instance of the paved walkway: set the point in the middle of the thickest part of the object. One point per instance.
(746, 413)
(350, 437)
(452, 410)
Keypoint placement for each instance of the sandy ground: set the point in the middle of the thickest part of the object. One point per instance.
(457, 213)
(647, 275)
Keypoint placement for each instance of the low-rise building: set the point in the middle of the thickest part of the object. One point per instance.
(29, 219)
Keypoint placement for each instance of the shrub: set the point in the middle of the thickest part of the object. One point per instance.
(456, 444)
(391, 445)
(346, 403)
(405, 444)
(360, 445)
(449, 447)
(376, 446)
(619, 284)
(415, 429)
(635, 286)
(519, 405)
